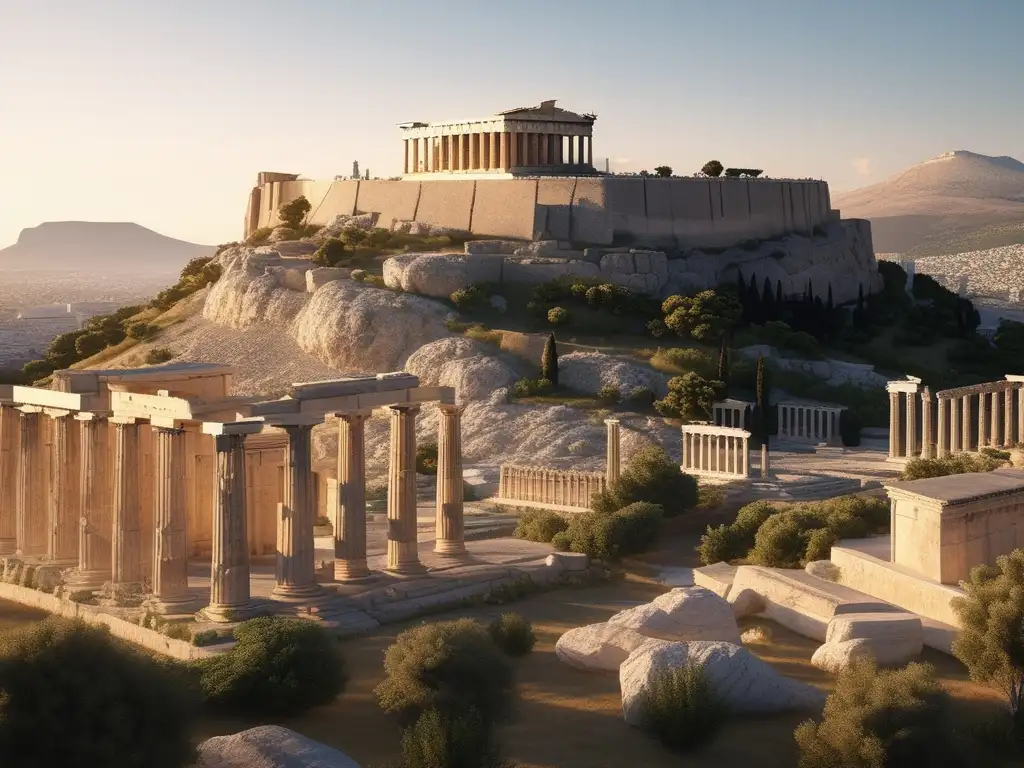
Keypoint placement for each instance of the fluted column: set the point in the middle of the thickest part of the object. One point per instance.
(229, 566)
(449, 526)
(927, 441)
(967, 444)
(95, 524)
(170, 515)
(127, 534)
(943, 426)
(684, 462)
(982, 420)
(30, 523)
(349, 515)
(995, 422)
(1020, 414)
(296, 575)
(911, 425)
(403, 550)
(10, 450)
(63, 508)
(612, 464)
(894, 425)
(1008, 438)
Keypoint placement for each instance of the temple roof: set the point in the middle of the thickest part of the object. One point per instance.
(959, 489)
(546, 110)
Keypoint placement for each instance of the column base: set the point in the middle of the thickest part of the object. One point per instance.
(228, 614)
(450, 548)
(79, 580)
(352, 571)
(297, 593)
(408, 569)
(186, 604)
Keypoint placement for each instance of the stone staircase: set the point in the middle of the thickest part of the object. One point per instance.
(810, 487)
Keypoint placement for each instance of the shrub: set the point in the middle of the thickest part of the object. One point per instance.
(991, 642)
(951, 464)
(435, 740)
(259, 236)
(330, 253)
(73, 695)
(641, 396)
(426, 459)
(540, 525)
(712, 168)
(158, 356)
(353, 236)
(609, 395)
(142, 331)
(680, 709)
(652, 477)
(558, 315)
(292, 213)
(731, 542)
(561, 542)
(513, 634)
(206, 637)
(278, 667)
(882, 719)
(690, 396)
(657, 328)
(705, 316)
(627, 531)
(450, 666)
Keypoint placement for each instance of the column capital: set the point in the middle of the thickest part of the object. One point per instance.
(402, 408)
(451, 408)
(612, 421)
(350, 416)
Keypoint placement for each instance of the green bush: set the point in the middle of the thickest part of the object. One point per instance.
(731, 542)
(142, 331)
(531, 387)
(354, 236)
(206, 637)
(513, 634)
(951, 464)
(651, 476)
(451, 666)
(278, 667)
(627, 531)
(158, 356)
(609, 395)
(74, 696)
(330, 253)
(882, 719)
(426, 458)
(436, 740)
(259, 236)
(540, 525)
(293, 212)
(561, 542)
(689, 396)
(641, 396)
(558, 316)
(680, 709)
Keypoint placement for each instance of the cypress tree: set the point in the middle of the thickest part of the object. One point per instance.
(768, 308)
(754, 301)
(810, 292)
(723, 361)
(828, 305)
(778, 294)
(741, 294)
(549, 361)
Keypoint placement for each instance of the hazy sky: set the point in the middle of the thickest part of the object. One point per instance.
(162, 111)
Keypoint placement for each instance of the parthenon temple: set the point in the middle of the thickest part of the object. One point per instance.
(965, 419)
(527, 141)
(120, 476)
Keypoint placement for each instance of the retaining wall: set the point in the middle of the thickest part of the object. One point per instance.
(690, 212)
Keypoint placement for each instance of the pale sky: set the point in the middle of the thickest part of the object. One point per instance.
(162, 111)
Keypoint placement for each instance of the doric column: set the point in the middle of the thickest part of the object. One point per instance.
(686, 453)
(473, 140)
(127, 534)
(571, 146)
(415, 156)
(894, 425)
(590, 150)
(495, 150)
(170, 517)
(349, 516)
(10, 449)
(296, 575)
(1008, 437)
(403, 549)
(405, 156)
(542, 149)
(995, 418)
(1020, 413)
(513, 149)
(911, 439)
(612, 462)
(95, 523)
(982, 420)
(745, 456)
(927, 442)
(30, 525)
(943, 426)
(967, 439)
(229, 566)
(62, 509)
(449, 533)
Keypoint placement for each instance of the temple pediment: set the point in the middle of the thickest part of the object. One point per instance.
(547, 110)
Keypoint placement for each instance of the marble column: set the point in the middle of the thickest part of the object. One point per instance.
(30, 522)
(296, 574)
(1020, 413)
(405, 156)
(449, 524)
(684, 465)
(126, 546)
(967, 439)
(63, 507)
(927, 441)
(170, 508)
(1009, 439)
(10, 449)
(349, 515)
(472, 152)
(982, 420)
(894, 425)
(911, 425)
(513, 149)
(943, 426)
(612, 468)
(415, 156)
(495, 151)
(96, 522)
(570, 145)
(229, 566)
(590, 150)
(995, 419)
(403, 549)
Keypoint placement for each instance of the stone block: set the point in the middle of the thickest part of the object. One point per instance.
(598, 647)
(835, 657)
(505, 208)
(554, 198)
(745, 602)
(446, 203)
(490, 246)
(717, 577)
(533, 271)
(540, 249)
(593, 255)
(895, 638)
(440, 274)
(319, 276)
(269, 746)
(391, 200)
(568, 561)
(686, 613)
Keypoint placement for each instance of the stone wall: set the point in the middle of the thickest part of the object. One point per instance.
(548, 488)
(684, 212)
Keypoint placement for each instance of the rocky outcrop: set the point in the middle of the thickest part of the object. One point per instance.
(590, 371)
(743, 682)
(471, 367)
(835, 657)
(269, 746)
(892, 638)
(440, 274)
(686, 613)
(834, 372)
(598, 647)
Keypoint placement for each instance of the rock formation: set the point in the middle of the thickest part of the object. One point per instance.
(686, 613)
(269, 746)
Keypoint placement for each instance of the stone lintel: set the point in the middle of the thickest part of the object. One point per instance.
(988, 388)
(1015, 377)
(117, 419)
(147, 406)
(92, 415)
(56, 413)
(30, 408)
(903, 386)
(6, 393)
(384, 382)
(49, 398)
(243, 427)
(372, 400)
(711, 429)
(276, 407)
(293, 420)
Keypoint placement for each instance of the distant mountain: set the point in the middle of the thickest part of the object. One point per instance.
(91, 245)
(959, 201)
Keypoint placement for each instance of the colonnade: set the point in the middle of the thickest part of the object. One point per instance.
(712, 451)
(495, 151)
(964, 419)
(801, 422)
(70, 497)
(731, 413)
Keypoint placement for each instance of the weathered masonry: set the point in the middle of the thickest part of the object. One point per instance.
(111, 474)
(527, 141)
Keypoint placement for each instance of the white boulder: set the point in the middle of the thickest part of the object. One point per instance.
(745, 602)
(835, 657)
(598, 647)
(894, 638)
(269, 746)
(740, 679)
(320, 276)
(471, 367)
(440, 274)
(685, 613)
(590, 371)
